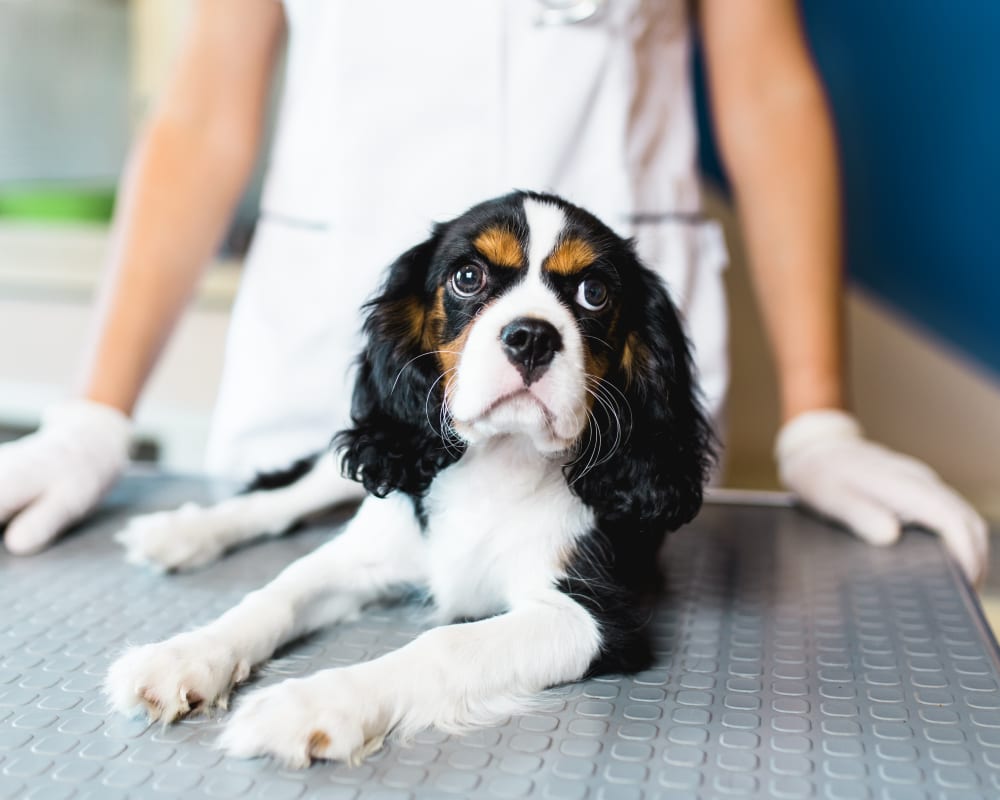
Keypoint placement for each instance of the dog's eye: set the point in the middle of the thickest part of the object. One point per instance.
(592, 294)
(468, 280)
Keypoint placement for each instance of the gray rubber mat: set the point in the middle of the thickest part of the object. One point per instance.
(793, 663)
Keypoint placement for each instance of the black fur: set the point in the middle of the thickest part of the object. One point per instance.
(655, 475)
(280, 478)
(601, 581)
(393, 445)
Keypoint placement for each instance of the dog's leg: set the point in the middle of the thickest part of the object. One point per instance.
(453, 677)
(381, 551)
(193, 535)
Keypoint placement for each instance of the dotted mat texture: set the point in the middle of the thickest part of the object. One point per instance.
(792, 662)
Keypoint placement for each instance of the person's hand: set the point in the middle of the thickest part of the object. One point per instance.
(824, 458)
(52, 478)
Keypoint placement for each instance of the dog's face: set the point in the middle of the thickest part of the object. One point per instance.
(524, 303)
(527, 316)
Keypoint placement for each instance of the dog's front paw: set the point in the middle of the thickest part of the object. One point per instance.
(185, 538)
(325, 716)
(172, 678)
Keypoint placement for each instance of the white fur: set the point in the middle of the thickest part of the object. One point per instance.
(453, 677)
(545, 224)
(500, 522)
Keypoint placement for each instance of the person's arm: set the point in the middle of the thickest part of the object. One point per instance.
(180, 187)
(776, 139)
(184, 177)
(777, 142)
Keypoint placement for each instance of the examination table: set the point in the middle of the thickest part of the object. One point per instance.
(793, 662)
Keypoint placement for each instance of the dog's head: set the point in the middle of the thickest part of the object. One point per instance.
(528, 317)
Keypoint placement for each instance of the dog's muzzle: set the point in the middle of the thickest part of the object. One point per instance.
(530, 344)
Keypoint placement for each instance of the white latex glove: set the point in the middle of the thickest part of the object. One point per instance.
(824, 458)
(52, 478)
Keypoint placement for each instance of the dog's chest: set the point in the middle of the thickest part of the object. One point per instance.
(501, 525)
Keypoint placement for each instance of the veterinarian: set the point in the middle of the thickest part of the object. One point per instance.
(395, 114)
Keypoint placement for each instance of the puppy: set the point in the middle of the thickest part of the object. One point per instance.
(527, 430)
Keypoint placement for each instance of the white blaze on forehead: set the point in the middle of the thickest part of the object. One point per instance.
(545, 223)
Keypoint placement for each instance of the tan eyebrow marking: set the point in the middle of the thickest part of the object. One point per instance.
(500, 246)
(570, 256)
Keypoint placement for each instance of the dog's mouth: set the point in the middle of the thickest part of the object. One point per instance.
(517, 412)
(514, 401)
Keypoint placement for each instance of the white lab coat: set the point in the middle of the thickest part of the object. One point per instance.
(396, 114)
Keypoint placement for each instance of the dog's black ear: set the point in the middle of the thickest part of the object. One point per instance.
(394, 442)
(656, 446)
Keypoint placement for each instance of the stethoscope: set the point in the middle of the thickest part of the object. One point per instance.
(568, 12)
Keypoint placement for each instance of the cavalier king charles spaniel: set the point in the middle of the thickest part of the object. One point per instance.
(526, 426)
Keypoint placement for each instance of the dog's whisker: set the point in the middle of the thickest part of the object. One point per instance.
(597, 339)
(595, 451)
(444, 428)
(593, 432)
(448, 433)
(611, 388)
(583, 451)
(604, 389)
(591, 453)
(598, 390)
(417, 358)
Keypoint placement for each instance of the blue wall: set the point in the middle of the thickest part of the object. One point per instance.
(915, 89)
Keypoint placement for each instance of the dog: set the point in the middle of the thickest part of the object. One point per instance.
(527, 429)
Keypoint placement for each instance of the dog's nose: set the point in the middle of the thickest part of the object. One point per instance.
(530, 345)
